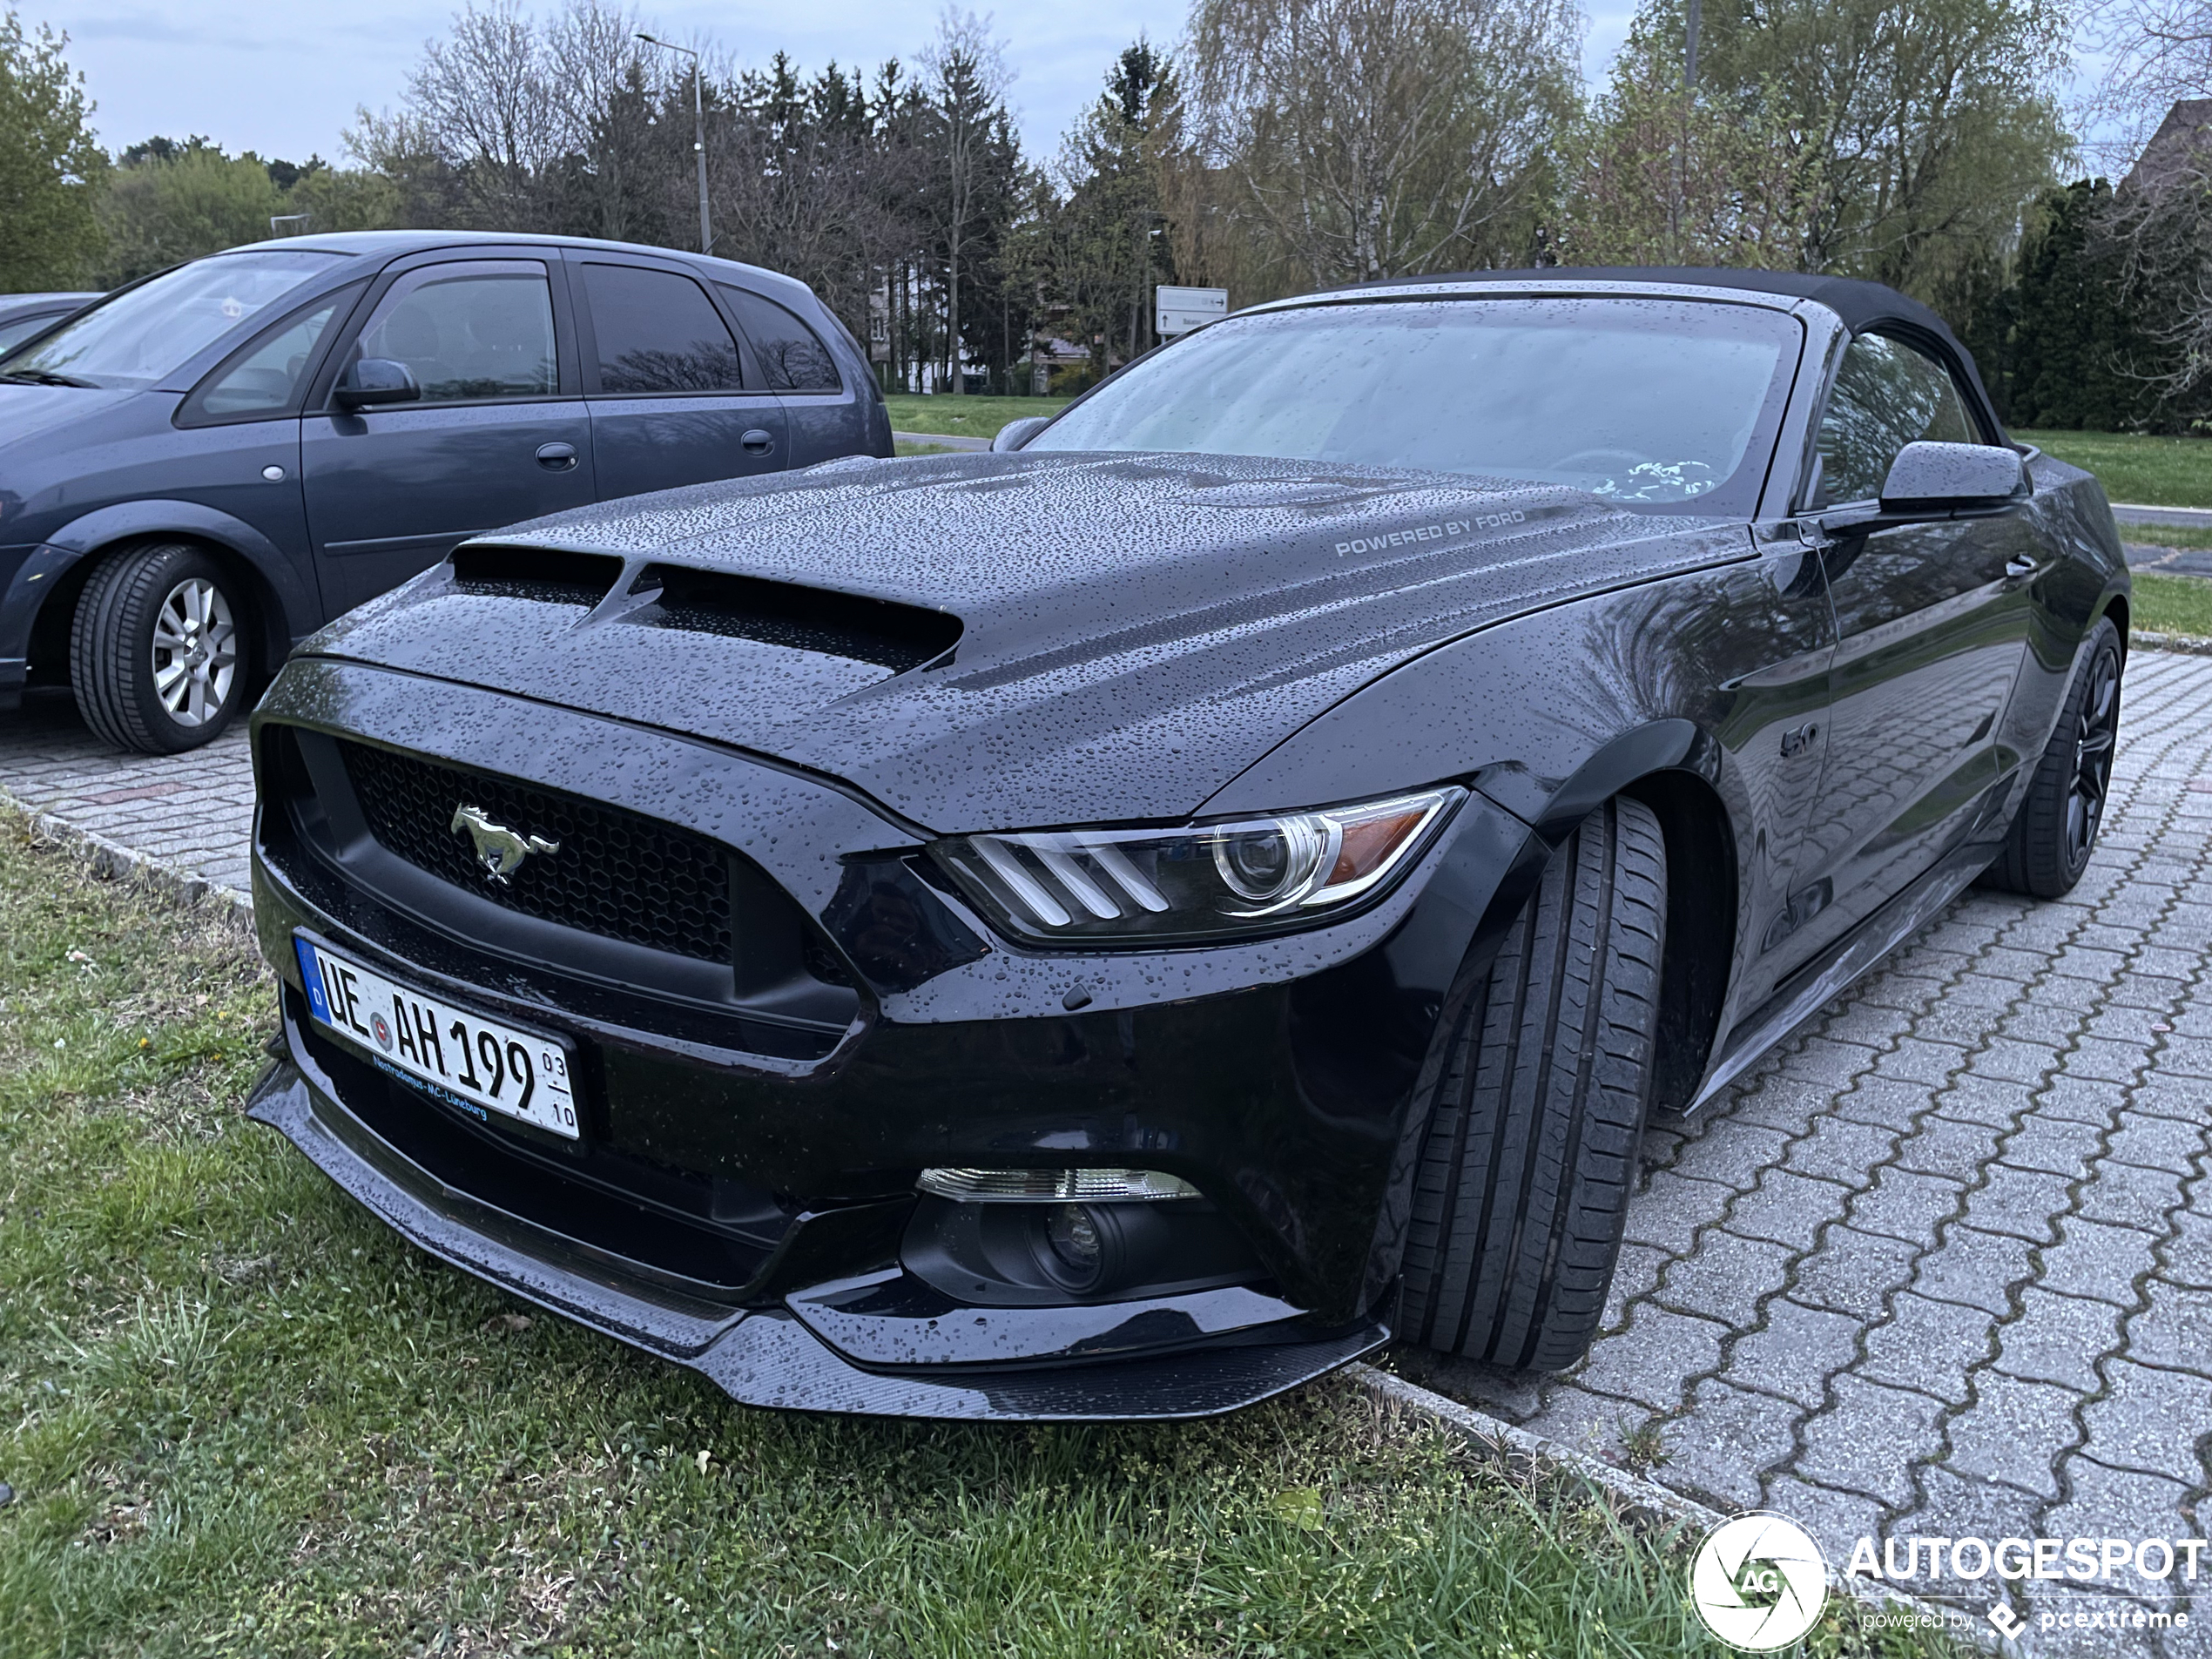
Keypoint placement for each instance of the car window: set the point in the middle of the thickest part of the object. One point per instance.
(478, 328)
(14, 332)
(791, 355)
(1886, 396)
(1650, 403)
(658, 331)
(145, 333)
(267, 378)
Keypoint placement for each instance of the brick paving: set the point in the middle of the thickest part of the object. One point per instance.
(1942, 1266)
(194, 812)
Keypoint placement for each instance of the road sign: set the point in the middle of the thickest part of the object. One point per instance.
(1177, 311)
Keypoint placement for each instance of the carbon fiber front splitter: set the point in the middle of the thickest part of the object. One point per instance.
(766, 1356)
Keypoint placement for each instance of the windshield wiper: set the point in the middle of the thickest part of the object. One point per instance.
(45, 377)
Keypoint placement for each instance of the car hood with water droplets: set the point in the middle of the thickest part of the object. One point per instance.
(1132, 630)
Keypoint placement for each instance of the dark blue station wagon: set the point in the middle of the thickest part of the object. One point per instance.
(211, 463)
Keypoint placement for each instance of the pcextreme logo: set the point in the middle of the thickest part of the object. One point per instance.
(1758, 1581)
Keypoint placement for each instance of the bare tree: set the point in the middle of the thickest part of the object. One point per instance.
(967, 76)
(2157, 53)
(483, 97)
(1375, 138)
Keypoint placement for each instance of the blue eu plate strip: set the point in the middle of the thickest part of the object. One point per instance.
(310, 972)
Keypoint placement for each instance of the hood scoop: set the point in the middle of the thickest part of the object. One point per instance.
(817, 622)
(547, 574)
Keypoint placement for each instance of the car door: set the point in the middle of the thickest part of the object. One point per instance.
(500, 434)
(670, 397)
(1932, 626)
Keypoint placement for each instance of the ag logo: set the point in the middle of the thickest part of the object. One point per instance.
(1758, 1581)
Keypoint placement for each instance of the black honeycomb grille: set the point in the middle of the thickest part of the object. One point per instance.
(617, 874)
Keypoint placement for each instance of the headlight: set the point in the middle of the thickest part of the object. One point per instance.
(1205, 880)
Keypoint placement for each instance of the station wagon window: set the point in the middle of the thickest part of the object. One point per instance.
(1886, 396)
(266, 378)
(793, 357)
(476, 329)
(658, 331)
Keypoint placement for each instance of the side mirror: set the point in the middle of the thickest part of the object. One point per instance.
(1928, 477)
(375, 379)
(1014, 434)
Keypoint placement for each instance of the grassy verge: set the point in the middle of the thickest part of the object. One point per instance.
(970, 417)
(2172, 604)
(2167, 535)
(241, 1417)
(2149, 472)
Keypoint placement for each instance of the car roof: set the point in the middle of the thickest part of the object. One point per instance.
(391, 244)
(12, 302)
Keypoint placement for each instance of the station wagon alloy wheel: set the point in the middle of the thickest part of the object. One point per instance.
(156, 656)
(195, 651)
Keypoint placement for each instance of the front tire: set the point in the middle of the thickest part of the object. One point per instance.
(155, 655)
(2054, 833)
(1524, 1181)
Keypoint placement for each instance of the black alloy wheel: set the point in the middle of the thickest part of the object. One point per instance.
(2055, 830)
(1531, 1154)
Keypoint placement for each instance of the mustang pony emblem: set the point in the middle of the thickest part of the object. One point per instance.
(500, 850)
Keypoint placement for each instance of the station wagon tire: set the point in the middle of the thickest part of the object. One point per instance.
(157, 652)
(1531, 1151)
(2055, 829)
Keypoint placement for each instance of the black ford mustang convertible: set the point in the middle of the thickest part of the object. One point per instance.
(1120, 925)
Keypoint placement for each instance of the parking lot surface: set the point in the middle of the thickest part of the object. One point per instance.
(1942, 1266)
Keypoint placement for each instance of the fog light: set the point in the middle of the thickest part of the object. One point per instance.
(1073, 1234)
(1031, 1186)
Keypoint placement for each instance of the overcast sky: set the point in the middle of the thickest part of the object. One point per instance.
(283, 76)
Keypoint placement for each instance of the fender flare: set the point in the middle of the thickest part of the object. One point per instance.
(288, 606)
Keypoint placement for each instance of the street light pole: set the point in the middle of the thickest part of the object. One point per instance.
(698, 132)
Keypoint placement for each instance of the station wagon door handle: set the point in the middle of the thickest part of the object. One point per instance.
(757, 442)
(556, 457)
(2020, 564)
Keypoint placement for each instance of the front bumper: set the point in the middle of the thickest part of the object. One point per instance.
(767, 1356)
(1276, 1076)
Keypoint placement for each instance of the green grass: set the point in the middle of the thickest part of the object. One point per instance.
(243, 1418)
(2172, 604)
(2167, 535)
(2147, 471)
(972, 417)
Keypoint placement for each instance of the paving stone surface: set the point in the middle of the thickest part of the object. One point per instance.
(193, 811)
(1941, 1266)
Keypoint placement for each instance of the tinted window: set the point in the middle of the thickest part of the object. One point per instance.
(1646, 401)
(1886, 396)
(791, 354)
(22, 329)
(267, 378)
(476, 329)
(658, 331)
(138, 336)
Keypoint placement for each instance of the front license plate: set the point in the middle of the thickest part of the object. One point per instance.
(485, 1066)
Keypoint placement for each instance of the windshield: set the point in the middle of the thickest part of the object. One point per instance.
(139, 336)
(1645, 401)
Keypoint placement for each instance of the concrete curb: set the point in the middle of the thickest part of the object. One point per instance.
(1642, 1501)
(2134, 513)
(2183, 645)
(113, 861)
